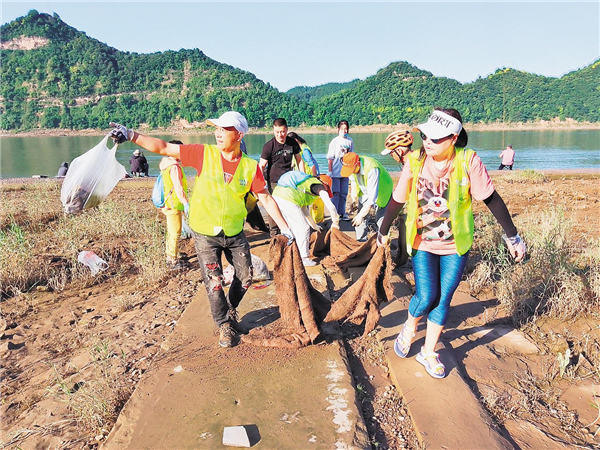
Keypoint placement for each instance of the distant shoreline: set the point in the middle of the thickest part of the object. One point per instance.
(550, 173)
(202, 129)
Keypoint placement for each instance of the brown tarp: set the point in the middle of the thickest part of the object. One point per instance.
(346, 252)
(362, 299)
(301, 306)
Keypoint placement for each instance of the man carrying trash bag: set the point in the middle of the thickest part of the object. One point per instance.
(217, 219)
(373, 187)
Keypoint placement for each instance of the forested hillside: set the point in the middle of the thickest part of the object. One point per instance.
(310, 94)
(54, 76)
(73, 81)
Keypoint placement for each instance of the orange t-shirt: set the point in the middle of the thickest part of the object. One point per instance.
(434, 230)
(192, 155)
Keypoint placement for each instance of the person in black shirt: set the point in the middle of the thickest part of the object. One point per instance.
(276, 158)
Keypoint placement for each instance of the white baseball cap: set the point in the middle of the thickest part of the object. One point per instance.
(230, 119)
(439, 125)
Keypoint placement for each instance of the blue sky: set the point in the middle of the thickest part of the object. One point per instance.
(310, 43)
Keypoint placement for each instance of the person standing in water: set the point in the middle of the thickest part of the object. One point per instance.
(508, 158)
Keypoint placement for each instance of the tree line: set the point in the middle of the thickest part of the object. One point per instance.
(73, 81)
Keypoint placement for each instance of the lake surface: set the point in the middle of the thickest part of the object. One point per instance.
(547, 149)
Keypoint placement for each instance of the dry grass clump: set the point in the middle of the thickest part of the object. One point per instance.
(39, 245)
(123, 303)
(96, 400)
(537, 401)
(524, 176)
(15, 252)
(34, 207)
(555, 280)
(149, 256)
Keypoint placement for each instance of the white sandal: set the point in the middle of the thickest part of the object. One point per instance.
(402, 344)
(422, 358)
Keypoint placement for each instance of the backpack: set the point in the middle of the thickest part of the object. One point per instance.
(158, 192)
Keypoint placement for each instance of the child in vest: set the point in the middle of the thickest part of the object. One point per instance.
(294, 193)
(176, 203)
(437, 184)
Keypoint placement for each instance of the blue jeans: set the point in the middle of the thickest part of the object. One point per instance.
(339, 188)
(436, 279)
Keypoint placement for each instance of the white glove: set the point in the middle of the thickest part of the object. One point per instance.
(358, 219)
(516, 247)
(288, 234)
(335, 222)
(317, 227)
(382, 240)
(120, 133)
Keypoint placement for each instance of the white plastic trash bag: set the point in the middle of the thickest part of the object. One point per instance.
(91, 177)
(260, 272)
(93, 261)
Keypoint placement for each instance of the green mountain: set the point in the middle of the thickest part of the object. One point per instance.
(54, 76)
(404, 93)
(309, 94)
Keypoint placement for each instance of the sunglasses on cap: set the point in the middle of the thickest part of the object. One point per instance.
(435, 141)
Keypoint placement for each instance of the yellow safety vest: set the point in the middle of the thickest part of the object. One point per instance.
(459, 200)
(301, 195)
(171, 199)
(217, 206)
(386, 185)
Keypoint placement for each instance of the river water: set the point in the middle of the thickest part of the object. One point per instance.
(539, 150)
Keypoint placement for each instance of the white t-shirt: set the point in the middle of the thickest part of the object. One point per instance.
(338, 147)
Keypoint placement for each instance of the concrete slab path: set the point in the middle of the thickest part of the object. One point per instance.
(286, 399)
(445, 413)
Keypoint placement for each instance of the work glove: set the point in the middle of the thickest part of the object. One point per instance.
(358, 219)
(316, 227)
(335, 222)
(382, 240)
(288, 234)
(120, 133)
(186, 209)
(516, 247)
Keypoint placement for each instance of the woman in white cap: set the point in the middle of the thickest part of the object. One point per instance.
(437, 184)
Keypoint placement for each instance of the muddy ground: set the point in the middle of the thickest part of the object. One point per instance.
(98, 335)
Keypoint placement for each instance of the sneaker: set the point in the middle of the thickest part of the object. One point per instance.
(235, 320)
(226, 335)
(345, 218)
(174, 265)
(308, 262)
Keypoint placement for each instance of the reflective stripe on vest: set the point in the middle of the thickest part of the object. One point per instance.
(217, 206)
(301, 195)
(171, 199)
(386, 185)
(459, 200)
